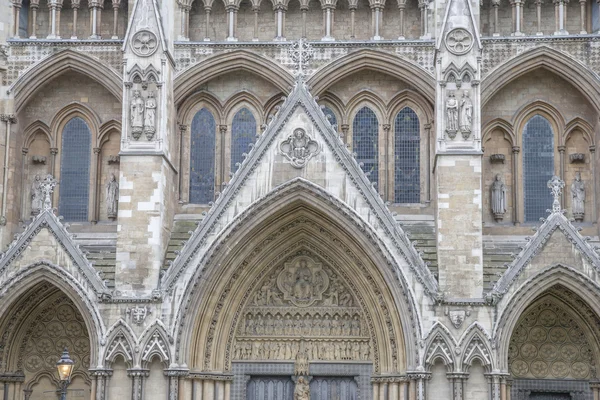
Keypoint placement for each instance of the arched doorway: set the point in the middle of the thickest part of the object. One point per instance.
(34, 330)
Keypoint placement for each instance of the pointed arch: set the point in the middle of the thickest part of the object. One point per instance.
(154, 342)
(374, 60)
(296, 210)
(106, 129)
(563, 65)
(504, 126)
(440, 344)
(13, 289)
(223, 63)
(193, 103)
(121, 341)
(476, 345)
(337, 105)
(58, 64)
(513, 305)
(73, 110)
(33, 129)
(241, 98)
(581, 125)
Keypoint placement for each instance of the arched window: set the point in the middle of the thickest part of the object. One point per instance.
(75, 171)
(407, 147)
(538, 167)
(331, 115)
(202, 157)
(365, 133)
(243, 133)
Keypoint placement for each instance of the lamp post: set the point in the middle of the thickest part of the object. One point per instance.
(65, 369)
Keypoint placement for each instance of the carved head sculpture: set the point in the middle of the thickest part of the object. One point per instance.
(299, 133)
(113, 177)
(578, 176)
(498, 178)
(137, 93)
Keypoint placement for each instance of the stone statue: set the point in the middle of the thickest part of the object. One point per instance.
(302, 390)
(112, 197)
(36, 195)
(299, 148)
(451, 115)
(150, 116)
(47, 188)
(466, 115)
(136, 110)
(498, 198)
(578, 198)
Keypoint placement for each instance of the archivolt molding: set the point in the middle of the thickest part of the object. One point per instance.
(397, 67)
(59, 63)
(188, 80)
(565, 66)
(536, 244)
(510, 309)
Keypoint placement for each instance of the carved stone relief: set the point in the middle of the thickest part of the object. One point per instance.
(578, 198)
(303, 307)
(459, 41)
(549, 343)
(299, 148)
(498, 198)
(144, 43)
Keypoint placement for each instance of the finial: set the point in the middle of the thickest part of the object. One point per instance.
(556, 186)
(47, 187)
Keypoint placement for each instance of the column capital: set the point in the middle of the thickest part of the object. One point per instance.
(138, 372)
(562, 148)
(101, 372)
(387, 127)
(54, 150)
(516, 149)
(223, 128)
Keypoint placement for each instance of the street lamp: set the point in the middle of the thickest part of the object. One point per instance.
(65, 369)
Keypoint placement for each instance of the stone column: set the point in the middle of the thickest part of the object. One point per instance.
(495, 6)
(538, 10)
(458, 383)
(33, 6)
(582, 5)
(8, 119)
(256, 10)
(207, 28)
(517, 13)
(345, 130)
(24, 193)
(184, 10)
(96, 182)
(137, 385)
(95, 9)
(75, 6)
(375, 384)
(231, 23)
(328, 22)
(424, 8)
(16, 16)
(416, 385)
(376, 18)
(560, 13)
(101, 377)
(174, 376)
(401, 8)
(116, 4)
(387, 193)
(595, 386)
(561, 153)
(54, 6)
(280, 10)
(593, 164)
(352, 20)
(515, 181)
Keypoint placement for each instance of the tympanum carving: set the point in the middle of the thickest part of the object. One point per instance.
(298, 148)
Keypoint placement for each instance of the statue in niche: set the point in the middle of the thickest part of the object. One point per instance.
(302, 282)
(498, 198)
(466, 115)
(302, 389)
(578, 198)
(150, 116)
(451, 115)
(303, 285)
(112, 197)
(36, 195)
(136, 110)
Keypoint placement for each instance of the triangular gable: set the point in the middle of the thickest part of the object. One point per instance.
(145, 17)
(556, 222)
(447, 26)
(301, 99)
(46, 220)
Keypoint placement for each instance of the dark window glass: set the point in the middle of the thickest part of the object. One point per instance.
(243, 134)
(75, 171)
(538, 167)
(202, 157)
(365, 133)
(331, 115)
(407, 144)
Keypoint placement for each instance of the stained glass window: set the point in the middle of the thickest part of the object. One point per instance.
(331, 115)
(365, 133)
(202, 157)
(243, 133)
(75, 171)
(538, 167)
(407, 143)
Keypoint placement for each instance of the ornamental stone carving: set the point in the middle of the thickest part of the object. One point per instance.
(36, 195)
(144, 43)
(302, 389)
(498, 198)
(303, 310)
(47, 187)
(466, 115)
(556, 186)
(150, 116)
(112, 197)
(298, 148)
(459, 41)
(451, 115)
(578, 198)
(136, 110)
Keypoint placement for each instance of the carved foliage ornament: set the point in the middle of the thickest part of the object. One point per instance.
(298, 148)
(144, 43)
(459, 41)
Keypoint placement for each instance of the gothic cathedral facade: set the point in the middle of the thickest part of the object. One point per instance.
(300, 200)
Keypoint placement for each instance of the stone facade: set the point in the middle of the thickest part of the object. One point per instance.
(300, 200)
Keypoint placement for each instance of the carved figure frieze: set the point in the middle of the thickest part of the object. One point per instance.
(143, 115)
(578, 198)
(298, 148)
(112, 197)
(138, 314)
(459, 41)
(498, 198)
(303, 306)
(144, 43)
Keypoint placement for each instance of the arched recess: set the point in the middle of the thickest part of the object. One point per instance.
(373, 60)
(14, 296)
(298, 220)
(60, 63)
(566, 67)
(584, 301)
(240, 60)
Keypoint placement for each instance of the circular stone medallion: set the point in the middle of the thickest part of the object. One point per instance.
(459, 41)
(144, 43)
